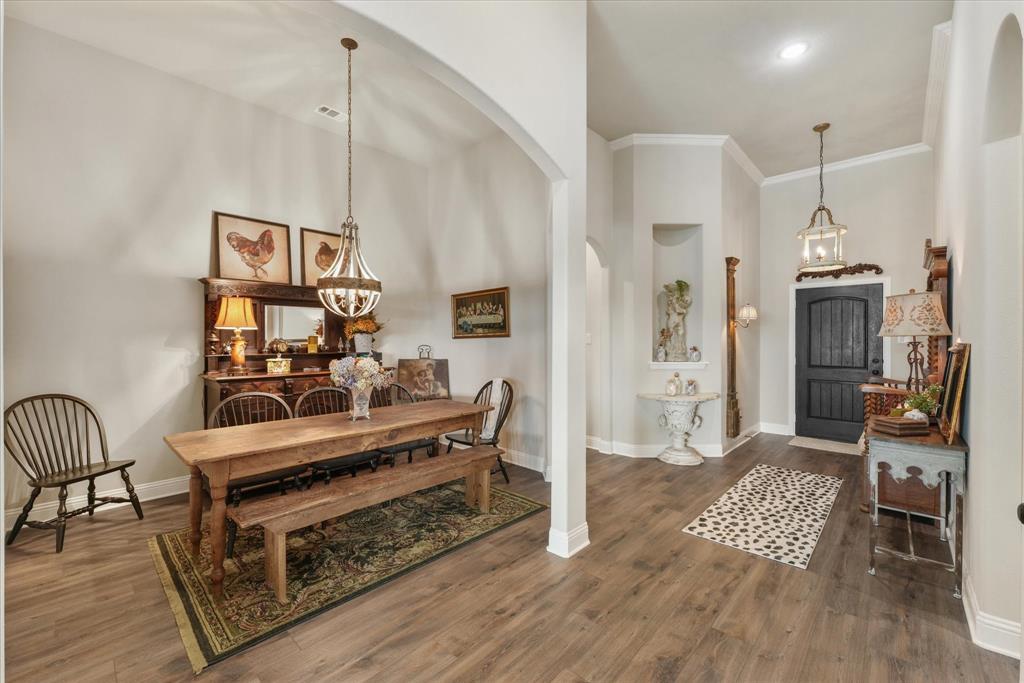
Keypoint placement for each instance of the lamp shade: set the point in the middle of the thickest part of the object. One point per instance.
(747, 313)
(917, 314)
(235, 314)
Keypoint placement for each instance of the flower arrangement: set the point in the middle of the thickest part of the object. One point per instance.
(360, 374)
(366, 324)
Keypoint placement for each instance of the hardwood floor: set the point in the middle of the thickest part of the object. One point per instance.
(643, 602)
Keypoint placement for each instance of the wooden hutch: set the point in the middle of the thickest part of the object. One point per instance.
(308, 370)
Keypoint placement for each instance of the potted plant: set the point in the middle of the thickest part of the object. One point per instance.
(361, 331)
(922, 404)
(360, 376)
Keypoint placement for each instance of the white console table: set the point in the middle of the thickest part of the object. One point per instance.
(679, 416)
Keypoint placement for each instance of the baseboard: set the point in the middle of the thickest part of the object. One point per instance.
(775, 428)
(568, 543)
(598, 444)
(148, 491)
(989, 631)
(633, 450)
(527, 460)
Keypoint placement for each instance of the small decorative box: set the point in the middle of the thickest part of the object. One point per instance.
(279, 366)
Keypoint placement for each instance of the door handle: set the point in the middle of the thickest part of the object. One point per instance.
(875, 372)
(875, 361)
(1020, 513)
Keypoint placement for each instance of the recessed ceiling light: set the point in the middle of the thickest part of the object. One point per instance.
(793, 50)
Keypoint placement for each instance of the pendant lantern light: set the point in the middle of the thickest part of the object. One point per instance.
(349, 288)
(828, 251)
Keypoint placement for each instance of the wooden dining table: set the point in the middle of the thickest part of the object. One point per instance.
(230, 453)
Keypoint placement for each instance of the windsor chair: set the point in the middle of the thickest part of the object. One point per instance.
(396, 395)
(483, 397)
(246, 408)
(325, 401)
(57, 440)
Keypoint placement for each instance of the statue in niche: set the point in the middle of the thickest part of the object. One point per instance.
(677, 305)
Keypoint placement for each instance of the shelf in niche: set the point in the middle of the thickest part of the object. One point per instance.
(678, 365)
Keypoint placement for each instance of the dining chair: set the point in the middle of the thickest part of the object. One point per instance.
(497, 418)
(395, 395)
(246, 408)
(326, 401)
(57, 440)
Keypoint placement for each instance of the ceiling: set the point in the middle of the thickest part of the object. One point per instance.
(278, 57)
(713, 68)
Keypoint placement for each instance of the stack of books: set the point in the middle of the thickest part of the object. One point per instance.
(899, 426)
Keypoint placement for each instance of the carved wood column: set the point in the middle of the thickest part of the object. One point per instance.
(937, 265)
(732, 404)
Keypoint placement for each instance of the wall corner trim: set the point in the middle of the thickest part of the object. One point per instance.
(989, 631)
(568, 543)
(938, 68)
(916, 148)
(727, 142)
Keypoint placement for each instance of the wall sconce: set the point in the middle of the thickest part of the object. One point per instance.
(747, 315)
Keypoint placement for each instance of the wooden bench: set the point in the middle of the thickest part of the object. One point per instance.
(280, 514)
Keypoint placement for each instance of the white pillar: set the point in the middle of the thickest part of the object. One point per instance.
(567, 400)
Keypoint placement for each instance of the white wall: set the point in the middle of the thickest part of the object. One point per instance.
(977, 197)
(599, 231)
(662, 184)
(112, 170)
(487, 225)
(889, 208)
(741, 222)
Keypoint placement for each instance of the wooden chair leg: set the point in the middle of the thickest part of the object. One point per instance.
(451, 445)
(61, 523)
(23, 517)
(229, 550)
(131, 493)
(275, 563)
(92, 495)
(504, 472)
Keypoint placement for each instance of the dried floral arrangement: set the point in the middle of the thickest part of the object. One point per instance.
(360, 374)
(366, 324)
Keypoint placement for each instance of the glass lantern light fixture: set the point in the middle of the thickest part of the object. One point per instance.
(349, 288)
(822, 241)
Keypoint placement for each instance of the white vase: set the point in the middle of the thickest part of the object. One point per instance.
(364, 343)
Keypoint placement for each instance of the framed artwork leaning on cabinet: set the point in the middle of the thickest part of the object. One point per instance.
(954, 380)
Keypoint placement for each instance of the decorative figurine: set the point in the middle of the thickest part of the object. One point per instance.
(674, 386)
(691, 387)
(424, 350)
(694, 354)
(277, 346)
(677, 305)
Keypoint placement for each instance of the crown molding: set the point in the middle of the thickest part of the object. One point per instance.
(938, 66)
(894, 153)
(726, 142)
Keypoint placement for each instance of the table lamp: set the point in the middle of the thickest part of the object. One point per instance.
(236, 314)
(915, 314)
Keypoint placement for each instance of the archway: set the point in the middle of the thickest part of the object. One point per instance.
(567, 274)
(598, 350)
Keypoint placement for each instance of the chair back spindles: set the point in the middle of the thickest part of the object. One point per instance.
(322, 401)
(394, 395)
(249, 407)
(52, 433)
(483, 398)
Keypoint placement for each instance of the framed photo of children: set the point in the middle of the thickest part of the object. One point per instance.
(484, 313)
(251, 249)
(317, 250)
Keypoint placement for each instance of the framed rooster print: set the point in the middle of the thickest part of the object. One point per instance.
(251, 249)
(317, 250)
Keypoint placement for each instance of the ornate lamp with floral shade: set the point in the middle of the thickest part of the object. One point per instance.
(360, 376)
(915, 314)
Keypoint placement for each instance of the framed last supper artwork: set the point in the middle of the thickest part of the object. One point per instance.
(484, 313)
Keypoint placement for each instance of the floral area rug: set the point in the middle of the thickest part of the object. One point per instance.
(326, 567)
(773, 512)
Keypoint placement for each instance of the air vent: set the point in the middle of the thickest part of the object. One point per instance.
(330, 112)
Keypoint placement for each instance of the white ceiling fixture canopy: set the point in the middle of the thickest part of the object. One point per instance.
(793, 50)
(712, 68)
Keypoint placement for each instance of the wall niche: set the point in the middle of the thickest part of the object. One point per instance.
(677, 256)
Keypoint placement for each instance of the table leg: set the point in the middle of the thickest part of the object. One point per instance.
(478, 427)
(872, 531)
(218, 478)
(195, 508)
(957, 553)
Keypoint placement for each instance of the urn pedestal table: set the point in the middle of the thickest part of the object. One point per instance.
(679, 416)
